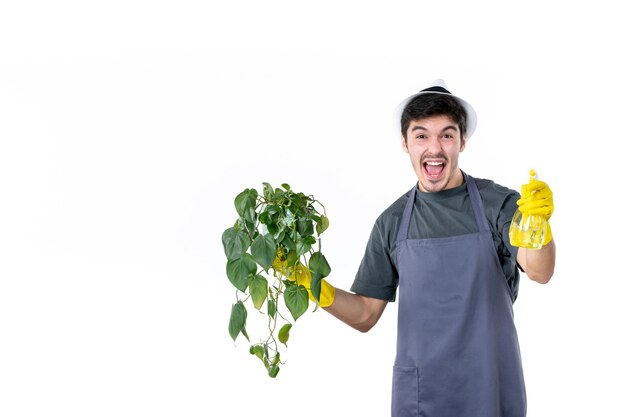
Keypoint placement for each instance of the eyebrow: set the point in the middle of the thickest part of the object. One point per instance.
(417, 127)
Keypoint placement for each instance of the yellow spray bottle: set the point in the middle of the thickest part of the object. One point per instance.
(527, 230)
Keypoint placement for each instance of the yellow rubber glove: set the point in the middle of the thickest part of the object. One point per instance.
(302, 276)
(536, 199)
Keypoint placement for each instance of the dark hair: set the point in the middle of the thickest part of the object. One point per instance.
(433, 104)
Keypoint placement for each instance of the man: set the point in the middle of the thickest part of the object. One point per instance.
(445, 246)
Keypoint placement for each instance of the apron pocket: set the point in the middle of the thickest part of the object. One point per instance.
(404, 394)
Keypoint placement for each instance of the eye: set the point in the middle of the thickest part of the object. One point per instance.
(421, 137)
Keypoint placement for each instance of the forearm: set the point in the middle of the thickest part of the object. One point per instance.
(538, 264)
(355, 310)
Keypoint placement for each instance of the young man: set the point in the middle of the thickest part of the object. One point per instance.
(445, 247)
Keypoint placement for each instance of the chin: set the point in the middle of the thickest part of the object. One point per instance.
(434, 186)
(431, 187)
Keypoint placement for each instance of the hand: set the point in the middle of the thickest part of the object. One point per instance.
(302, 276)
(536, 199)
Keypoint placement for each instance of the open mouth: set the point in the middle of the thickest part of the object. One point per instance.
(434, 169)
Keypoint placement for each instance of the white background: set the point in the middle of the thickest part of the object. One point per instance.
(128, 127)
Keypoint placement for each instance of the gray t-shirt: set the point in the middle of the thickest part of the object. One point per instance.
(442, 214)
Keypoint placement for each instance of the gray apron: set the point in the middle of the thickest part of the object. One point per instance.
(457, 350)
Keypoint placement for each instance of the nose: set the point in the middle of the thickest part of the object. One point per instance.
(434, 146)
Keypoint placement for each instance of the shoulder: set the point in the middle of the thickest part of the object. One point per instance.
(494, 192)
(395, 210)
(387, 223)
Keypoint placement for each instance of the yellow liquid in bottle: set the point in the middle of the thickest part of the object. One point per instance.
(527, 231)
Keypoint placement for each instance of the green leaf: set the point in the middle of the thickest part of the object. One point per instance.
(245, 200)
(297, 204)
(265, 218)
(264, 250)
(305, 227)
(258, 290)
(266, 356)
(258, 351)
(292, 258)
(289, 218)
(279, 196)
(287, 242)
(319, 265)
(272, 371)
(251, 227)
(272, 209)
(283, 333)
(316, 285)
(302, 247)
(271, 308)
(296, 300)
(278, 237)
(237, 322)
(250, 216)
(268, 191)
(286, 186)
(322, 225)
(235, 242)
(239, 270)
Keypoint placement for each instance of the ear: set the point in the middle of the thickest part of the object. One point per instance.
(463, 142)
(404, 145)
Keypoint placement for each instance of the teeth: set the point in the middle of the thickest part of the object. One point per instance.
(434, 163)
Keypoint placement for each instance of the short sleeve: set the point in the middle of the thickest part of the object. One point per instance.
(377, 276)
(509, 206)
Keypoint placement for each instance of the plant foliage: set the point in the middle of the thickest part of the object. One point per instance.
(275, 237)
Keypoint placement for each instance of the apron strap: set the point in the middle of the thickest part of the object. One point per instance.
(477, 204)
(403, 231)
